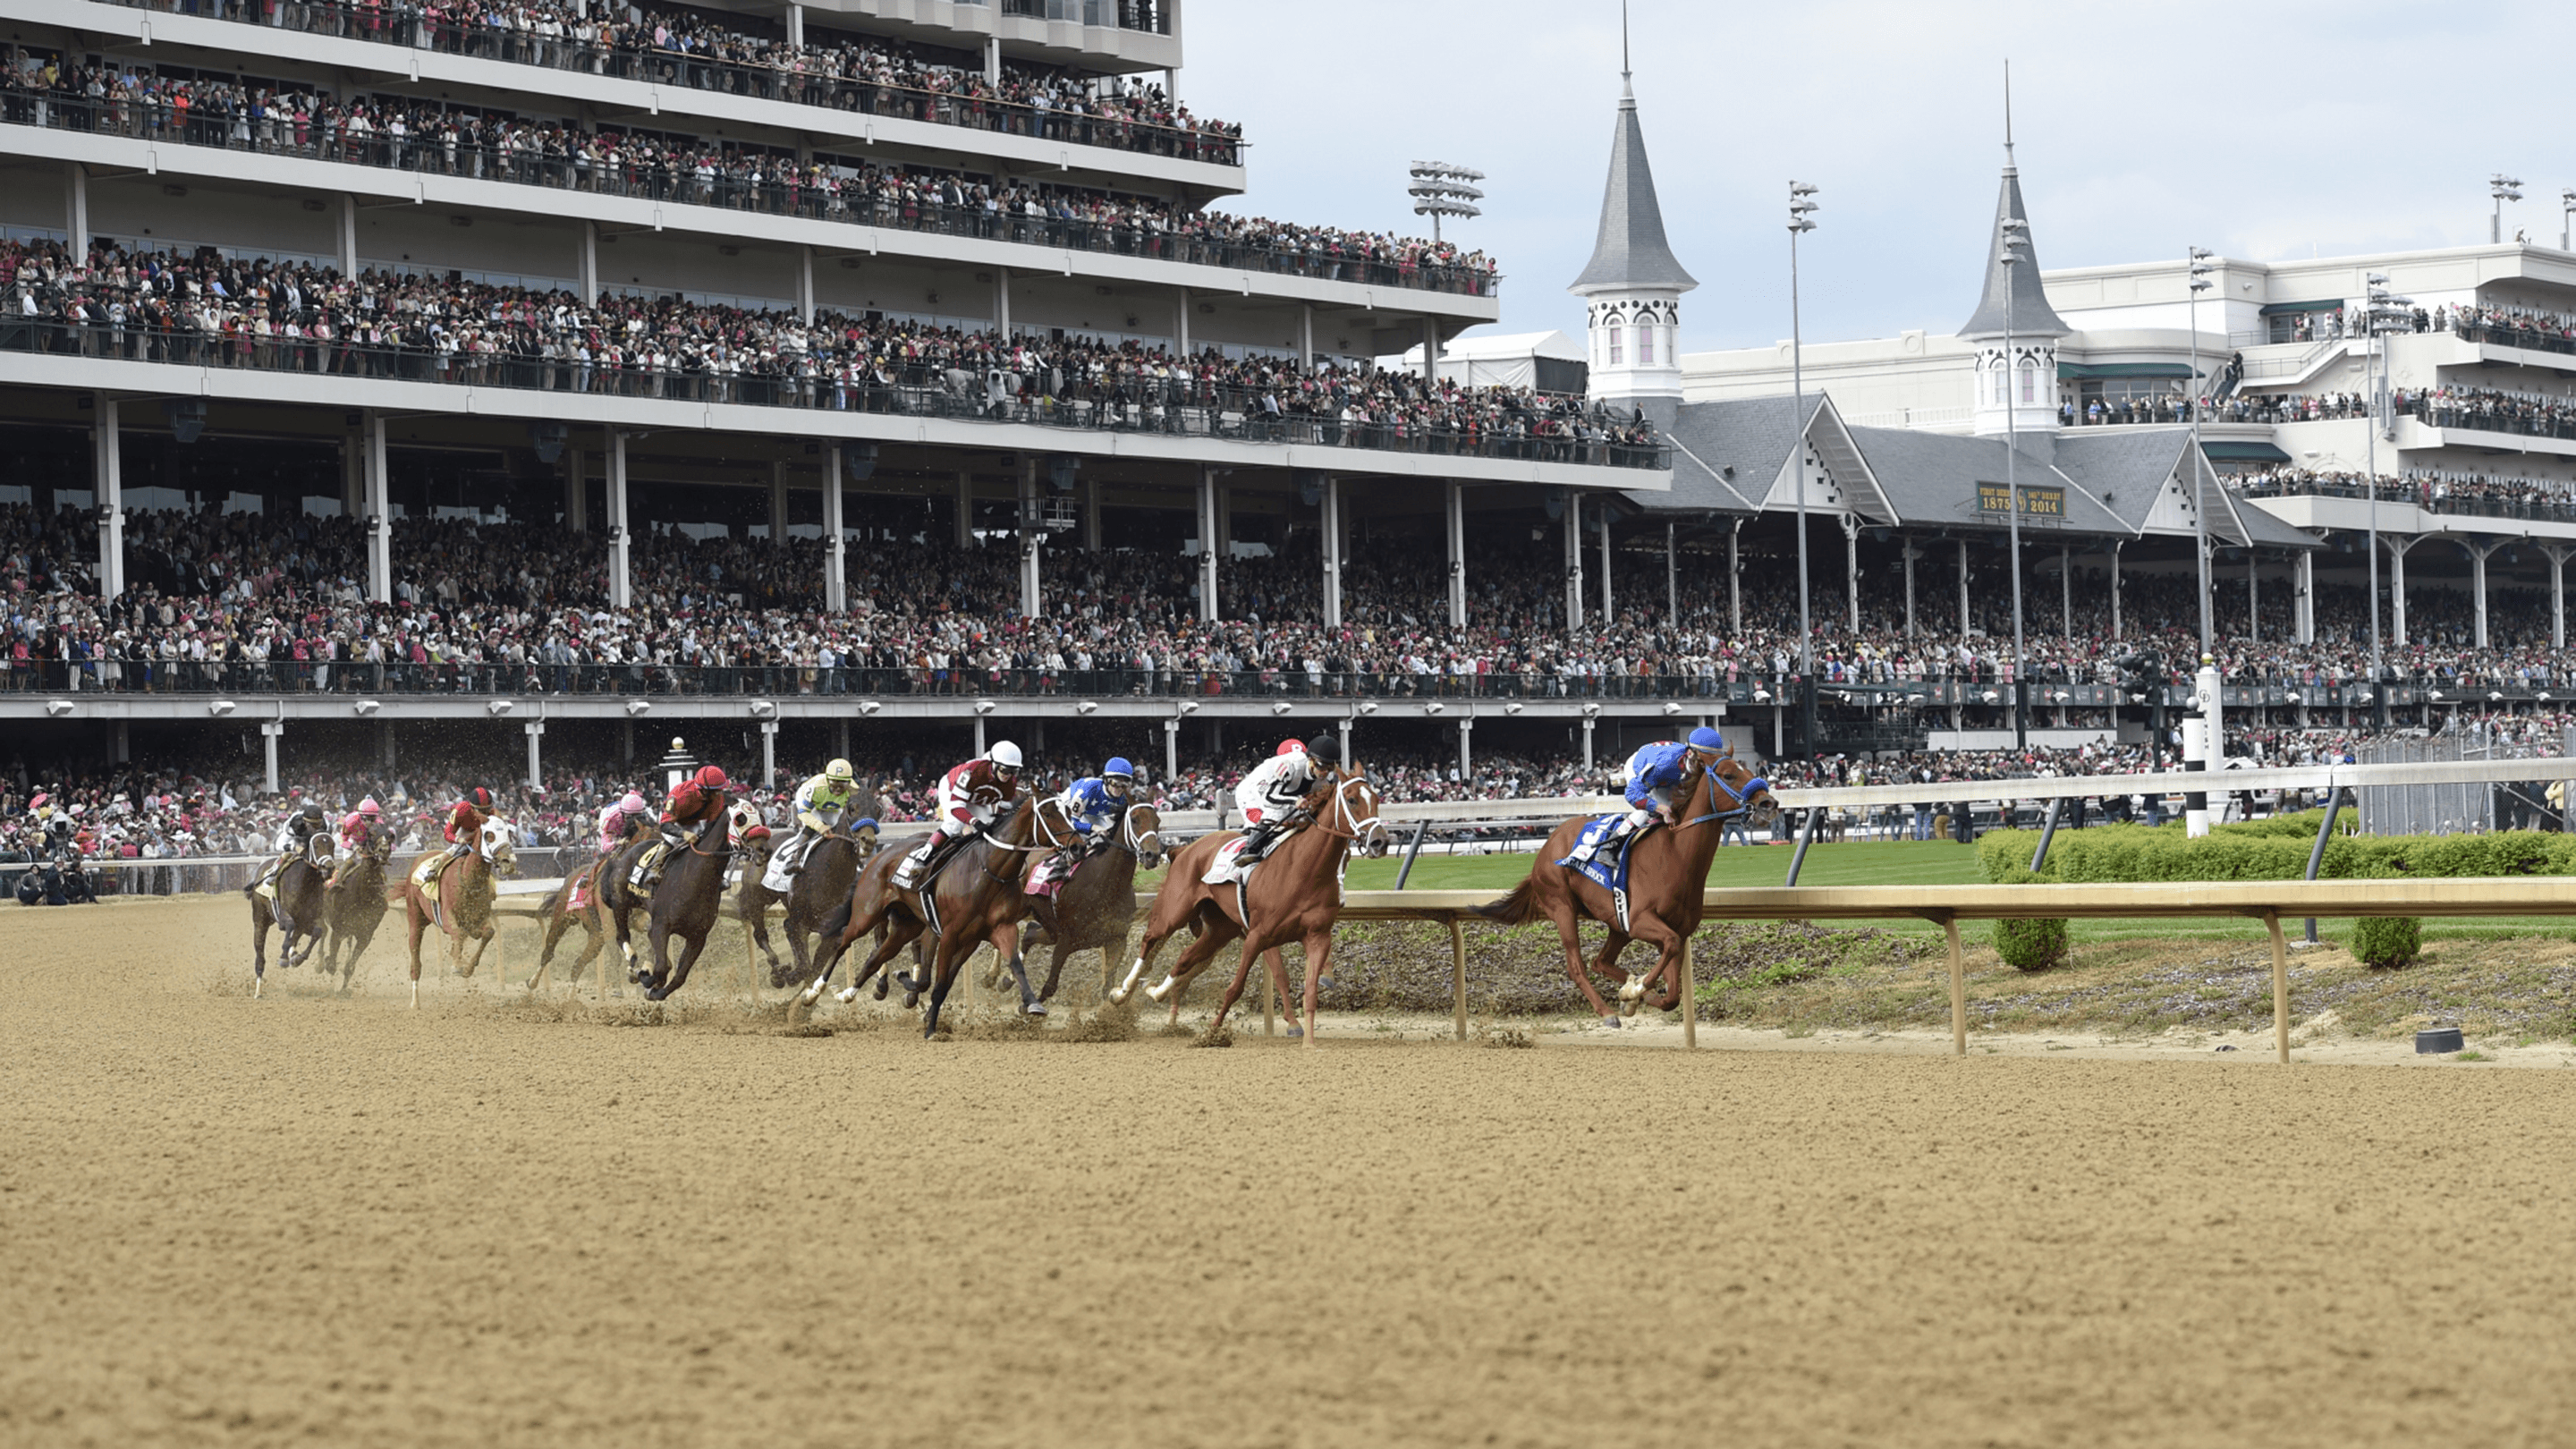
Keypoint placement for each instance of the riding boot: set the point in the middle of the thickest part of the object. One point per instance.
(907, 876)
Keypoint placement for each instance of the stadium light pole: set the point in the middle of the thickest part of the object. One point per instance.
(1802, 206)
(1439, 189)
(2198, 277)
(2566, 204)
(2014, 231)
(2503, 188)
(2379, 314)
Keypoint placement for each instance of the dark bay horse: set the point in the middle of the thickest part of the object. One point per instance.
(1095, 908)
(357, 906)
(463, 910)
(684, 903)
(1667, 885)
(296, 910)
(974, 898)
(590, 897)
(1294, 895)
(820, 886)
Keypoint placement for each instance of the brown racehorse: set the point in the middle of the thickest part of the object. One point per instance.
(297, 911)
(601, 890)
(974, 898)
(821, 885)
(466, 887)
(1096, 906)
(1294, 894)
(684, 903)
(1667, 885)
(358, 905)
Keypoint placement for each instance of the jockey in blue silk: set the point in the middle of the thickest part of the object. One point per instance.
(1093, 803)
(1654, 772)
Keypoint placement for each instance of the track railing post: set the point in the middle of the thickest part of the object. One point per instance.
(2280, 987)
(1958, 988)
(2317, 853)
(1458, 973)
(2047, 833)
(1806, 837)
(1690, 998)
(1404, 872)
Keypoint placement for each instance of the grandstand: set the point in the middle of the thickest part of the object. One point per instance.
(881, 379)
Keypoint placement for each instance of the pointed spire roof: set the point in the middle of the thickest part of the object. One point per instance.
(2031, 314)
(1631, 251)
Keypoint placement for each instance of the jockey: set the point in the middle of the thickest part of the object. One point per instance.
(306, 822)
(464, 831)
(695, 803)
(351, 837)
(1091, 803)
(969, 797)
(1654, 771)
(618, 821)
(1272, 790)
(821, 802)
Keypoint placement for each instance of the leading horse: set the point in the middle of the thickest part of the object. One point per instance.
(1293, 894)
(462, 907)
(1667, 885)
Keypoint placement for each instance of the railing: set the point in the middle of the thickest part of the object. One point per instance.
(2299, 366)
(1145, 15)
(723, 187)
(1185, 409)
(965, 683)
(2550, 422)
(401, 23)
(2559, 509)
(2522, 335)
(1910, 418)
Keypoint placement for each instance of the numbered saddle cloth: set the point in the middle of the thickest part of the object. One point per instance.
(1608, 867)
(1222, 868)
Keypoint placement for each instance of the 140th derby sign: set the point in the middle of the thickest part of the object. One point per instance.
(2036, 502)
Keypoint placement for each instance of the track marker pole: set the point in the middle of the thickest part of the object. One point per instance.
(2280, 987)
(1458, 973)
(1690, 998)
(1958, 989)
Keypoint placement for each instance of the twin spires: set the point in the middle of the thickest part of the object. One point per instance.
(1633, 285)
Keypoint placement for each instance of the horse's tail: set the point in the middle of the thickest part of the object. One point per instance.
(546, 907)
(1517, 909)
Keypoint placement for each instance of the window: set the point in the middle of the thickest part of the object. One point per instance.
(2029, 383)
(1618, 351)
(1645, 347)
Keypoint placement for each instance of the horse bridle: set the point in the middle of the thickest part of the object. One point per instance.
(1342, 807)
(1132, 840)
(1717, 782)
(1003, 847)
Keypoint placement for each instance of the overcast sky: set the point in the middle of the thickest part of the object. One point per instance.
(2261, 130)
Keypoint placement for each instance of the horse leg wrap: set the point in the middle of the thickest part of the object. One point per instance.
(1127, 987)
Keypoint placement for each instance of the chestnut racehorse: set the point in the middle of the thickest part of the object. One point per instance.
(466, 887)
(1667, 885)
(974, 898)
(1294, 894)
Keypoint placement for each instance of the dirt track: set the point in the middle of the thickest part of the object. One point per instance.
(301, 1218)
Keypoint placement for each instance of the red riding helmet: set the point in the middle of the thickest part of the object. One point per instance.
(1289, 747)
(479, 798)
(711, 778)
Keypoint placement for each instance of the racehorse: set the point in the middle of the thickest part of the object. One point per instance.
(466, 887)
(1294, 894)
(820, 885)
(358, 907)
(1667, 884)
(296, 909)
(601, 893)
(684, 903)
(1096, 905)
(974, 898)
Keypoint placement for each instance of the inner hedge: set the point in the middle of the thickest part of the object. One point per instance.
(2274, 849)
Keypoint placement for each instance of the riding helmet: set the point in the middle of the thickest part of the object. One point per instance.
(1325, 750)
(711, 777)
(1708, 739)
(1118, 769)
(839, 772)
(1004, 755)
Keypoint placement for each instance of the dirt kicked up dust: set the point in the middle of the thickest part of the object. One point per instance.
(338, 1221)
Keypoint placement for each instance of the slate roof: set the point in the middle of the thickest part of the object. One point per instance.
(1631, 250)
(2031, 314)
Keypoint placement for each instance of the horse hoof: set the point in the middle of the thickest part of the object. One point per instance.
(1036, 1008)
(1159, 989)
(846, 995)
(1296, 1031)
(1610, 1020)
(1118, 996)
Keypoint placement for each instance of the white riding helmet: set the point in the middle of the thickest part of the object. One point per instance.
(1004, 754)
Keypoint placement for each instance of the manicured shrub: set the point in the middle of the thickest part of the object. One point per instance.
(2030, 945)
(2387, 941)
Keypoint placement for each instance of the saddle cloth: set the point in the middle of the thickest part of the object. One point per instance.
(1608, 868)
(1222, 868)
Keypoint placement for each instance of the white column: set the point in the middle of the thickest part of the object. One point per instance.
(589, 263)
(2478, 582)
(269, 730)
(1346, 740)
(1207, 545)
(380, 515)
(2307, 596)
(76, 208)
(1430, 349)
(1091, 514)
(107, 494)
(1911, 554)
(805, 283)
(348, 235)
(1573, 559)
(2397, 586)
(1305, 334)
(769, 753)
(576, 503)
(1002, 302)
(2115, 590)
(1332, 530)
(1608, 610)
(1171, 748)
(2066, 591)
(1672, 577)
(1963, 588)
(1851, 567)
(1466, 752)
(1181, 320)
(777, 502)
(1454, 525)
(836, 577)
(965, 508)
(1032, 538)
(795, 25)
(992, 60)
(1587, 744)
(621, 543)
(536, 730)
(2557, 596)
(1734, 578)
(2253, 594)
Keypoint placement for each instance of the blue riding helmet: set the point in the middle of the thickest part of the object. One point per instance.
(1705, 738)
(1118, 769)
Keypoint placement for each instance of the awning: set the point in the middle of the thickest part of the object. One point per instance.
(2069, 371)
(2243, 453)
(2279, 309)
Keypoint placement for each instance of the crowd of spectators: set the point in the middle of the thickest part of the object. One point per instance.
(2437, 490)
(210, 309)
(278, 118)
(873, 75)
